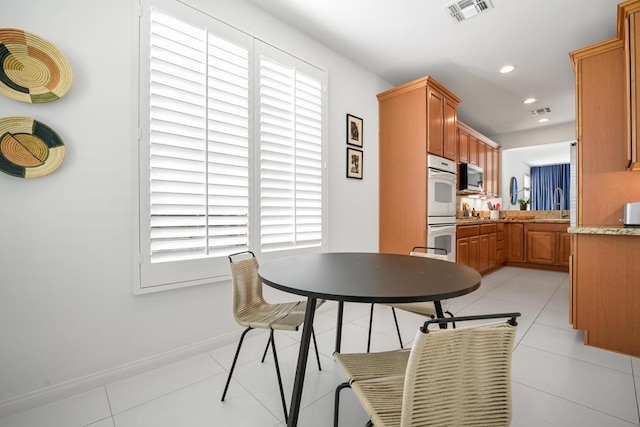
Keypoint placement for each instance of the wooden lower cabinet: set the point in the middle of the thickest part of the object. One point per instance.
(515, 242)
(483, 254)
(462, 251)
(467, 245)
(564, 249)
(548, 244)
(485, 247)
(474, 251)
(493, 250)
(539, 245)
(605, 295)
(500, 245)
(477, 247)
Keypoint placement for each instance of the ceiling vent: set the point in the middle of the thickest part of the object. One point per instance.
(540, 111)
(461, 10)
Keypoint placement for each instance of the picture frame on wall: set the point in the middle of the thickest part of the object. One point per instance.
(354, 130)
(354, 163)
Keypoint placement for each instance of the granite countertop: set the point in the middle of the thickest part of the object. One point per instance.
(543, 217)
(612, 230)
(474, 221)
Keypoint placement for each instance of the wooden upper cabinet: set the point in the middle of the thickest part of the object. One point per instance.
(449, 137)
(477, 149)
(463, 146)
(492, 171)
(489, 179)
(441, 121)
(482, 162)
(496, 172)
(473, 150)
(435, 122)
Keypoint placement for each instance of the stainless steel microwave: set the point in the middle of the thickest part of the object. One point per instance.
(471, 178)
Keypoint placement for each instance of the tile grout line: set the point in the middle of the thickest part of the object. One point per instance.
(570, 401)
(636, 386)
(110, 411)
(165, 394)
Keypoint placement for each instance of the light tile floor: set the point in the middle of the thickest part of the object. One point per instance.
(557, 381)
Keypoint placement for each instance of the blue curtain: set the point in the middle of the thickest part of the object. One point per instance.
(544, 181)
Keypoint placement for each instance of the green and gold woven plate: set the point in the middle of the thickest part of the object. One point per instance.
(29, 148)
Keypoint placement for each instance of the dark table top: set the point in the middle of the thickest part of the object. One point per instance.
(370, 277)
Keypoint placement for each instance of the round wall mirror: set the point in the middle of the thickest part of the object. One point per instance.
(513, 190)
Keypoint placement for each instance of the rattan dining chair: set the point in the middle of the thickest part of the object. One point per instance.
(427, 308)
(251, 311)
(450, 377)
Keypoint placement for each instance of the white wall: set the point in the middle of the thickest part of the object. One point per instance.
(512, 165)
(68, 314)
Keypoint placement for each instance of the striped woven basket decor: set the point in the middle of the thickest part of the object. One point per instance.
(32, 69)
(29, 148)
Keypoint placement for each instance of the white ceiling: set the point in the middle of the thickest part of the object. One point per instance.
(406, 39)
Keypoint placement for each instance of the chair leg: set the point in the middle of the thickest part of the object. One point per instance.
(264, 355)
(395, 319)
(370, 325)
(336, 404)
(233, 365)
(315, 345)
(453, 324)
(275, 359)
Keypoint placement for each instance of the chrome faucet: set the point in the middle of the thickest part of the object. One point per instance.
(560, 204)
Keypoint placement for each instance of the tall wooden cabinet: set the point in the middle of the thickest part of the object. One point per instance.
(416, 118)
(604, 268)
(630, 17)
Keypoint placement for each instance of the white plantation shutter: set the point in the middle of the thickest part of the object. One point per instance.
(228, 136)
(177, 139)
(215, 177)
(291, 163)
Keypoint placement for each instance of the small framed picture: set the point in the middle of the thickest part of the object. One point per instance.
(354, 130)
(354, 163)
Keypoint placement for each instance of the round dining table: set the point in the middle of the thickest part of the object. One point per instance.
(366, 278)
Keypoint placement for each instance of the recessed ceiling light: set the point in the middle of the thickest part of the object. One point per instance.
(543, 120)
(507, 69)
(529, 101)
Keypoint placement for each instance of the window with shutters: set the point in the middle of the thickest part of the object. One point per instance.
(231, 149)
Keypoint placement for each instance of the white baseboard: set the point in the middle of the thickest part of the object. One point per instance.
(100, 379)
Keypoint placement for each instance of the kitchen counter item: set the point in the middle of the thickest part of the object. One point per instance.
(631, 214)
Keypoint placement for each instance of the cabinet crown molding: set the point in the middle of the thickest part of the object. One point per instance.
(426, 81)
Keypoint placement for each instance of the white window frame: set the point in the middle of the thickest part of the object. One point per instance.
(178, 274)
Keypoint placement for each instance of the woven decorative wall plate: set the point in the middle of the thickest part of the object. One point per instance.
(29, 148)
(32, 69)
